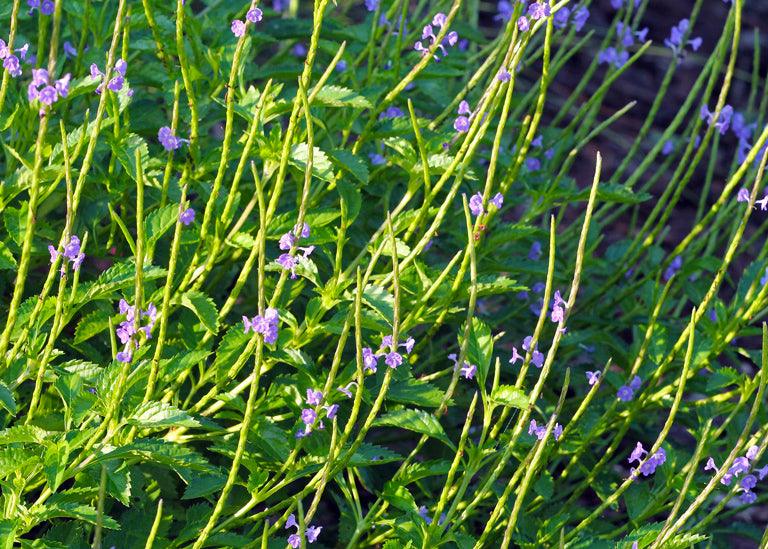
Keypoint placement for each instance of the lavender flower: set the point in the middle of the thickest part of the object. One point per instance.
(676, 37)
(580, 17)
(504, 11)
(539, 431)
(522, 24)
(393, 359)
(371, 5)
(538, 10)
(515, 356)
(254, 15)
(238, 28)
(346, 390)
(503, 75)
(593, 377)
(497, 200)
(476, 204)
(627, 392)
(314, 398)
(723, 121)
(468, 371)
(266, 325)
(169, 141)
(673, 268)
(370, 360)
(187, 216)
(743, 195)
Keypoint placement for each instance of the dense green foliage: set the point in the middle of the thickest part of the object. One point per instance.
(261, 280)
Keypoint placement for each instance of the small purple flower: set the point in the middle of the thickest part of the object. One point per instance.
(748, 482)
(533, 164)
(331, 411)
(710, 466)
(346, 390)
(740, 465)
(468, 371)
(625, 393)
(476, 204)
(534, 254)
(48, 95)
(539, 431)
(515, 356)
(677, 34)
(314, 398)
(522, 23)
(289, 263)
(743, 195)
(187, 216)
(505, 11)
(116, 84)
(580, 17)
(393, 359)
(370, 360)
(308, 416)
(723, 121)
(752, 452)
(498, 200)
(560, 21)
(638, 453)
(312, 533)
(461, 124)
(538, 10)
(238, 28)
(54, 253)
(294, 540)
(762, 472)
(69, 49)
(668, 147)
(169, 141)
(291, 522)
(503, 75)
(673, 268)
(254, 15)
(747, 498)
(371, 5)
(557, 432)
(124, 356)
(593, 377)
(537, 358)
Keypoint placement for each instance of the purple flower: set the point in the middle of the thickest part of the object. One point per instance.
(723, 121)
(69, 49)
(611, 56)
(330, 411)
(346, 390)
(289, 263)
(557, 432)
(393, 359)
(752, 452)
(748, 482)
(291, 522)
(371, 5)
(763, 202)
(764, 278)
(505, 10)
(710, 466)
(254, 15)
(635, 383)
(497, 200)
(187, 216)
(169, 141)
(533, 164)
(12, 65)
(748, 498)
(116, 84)
(740, 465)
(341, 66)
(534, 254)
(461, 124)
(677, 34)
(537, 358)
(294, 540)
(54, 253)
(593, 377)
(625, 393)
(124, 356)
(515, 356)
(580, 17)
(522, 23)
(308, 416)
(539, 431)
(476, 204)
(762, 472)
(370, 360)
(673, 268)
(538, 10)
(238, 28)
(668, 147)
(312, 533)
(503, 75)
(468, 371)
(266, 325)
(560, 21)
(314, 398)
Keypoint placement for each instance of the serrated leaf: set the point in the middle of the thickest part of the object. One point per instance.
(160, 220)
(511, 396)
(23, 434)
(159, 415)
(203, 485)
(351, 200)
(479, 348)
(338, 96)
(118, 277)
(7, 400)
(414, 392)
(321, 166)
(55, 463)
(125, 151)
(230, 348)
(416, 421)
(722, 377)
(381, 301)
(356, 166)
(204, 308)
(158, 451)
(91, 324)
(7, 260)
(399, 496)
(85, 513)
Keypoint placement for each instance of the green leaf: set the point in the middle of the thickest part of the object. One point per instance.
(381, 301)
(229, 350)
(118, 277)
(321, 166)
(511, 396)
(399, 496)
(204, 485)
(6, 258)
(6, 399)
(159, 415)
(119, 482)
(337, 96)
(157, 451)
(159, 221)
(479, 348)
(722, 377)
(204, 308)
(85, 513)
(23, 434)
(410, 391)
(92, 324)
(125, 151)
(351, 200)
(416, 421)
(55, 463)
(355, 165)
